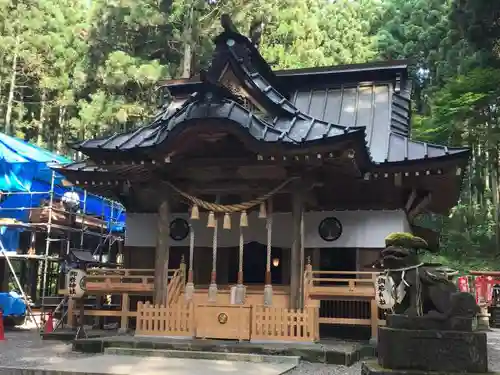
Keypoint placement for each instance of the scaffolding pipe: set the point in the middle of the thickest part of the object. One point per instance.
(47, 245)
(18, 284)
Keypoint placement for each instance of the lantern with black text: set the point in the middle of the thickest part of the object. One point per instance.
(76, 283)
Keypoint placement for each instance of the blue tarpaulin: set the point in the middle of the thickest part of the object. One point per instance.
(12, 304)
(25, 170)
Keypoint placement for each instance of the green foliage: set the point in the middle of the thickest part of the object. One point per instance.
(319, 33)
(455, 46)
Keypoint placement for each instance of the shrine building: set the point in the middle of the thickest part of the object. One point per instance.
(271, 188)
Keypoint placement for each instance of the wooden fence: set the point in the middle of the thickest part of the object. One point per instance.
(266, 323)
(158, 320)
(281, 324)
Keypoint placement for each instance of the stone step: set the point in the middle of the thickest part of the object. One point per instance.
(334, 352)
(191, 354)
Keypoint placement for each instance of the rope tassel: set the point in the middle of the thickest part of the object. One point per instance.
(243, 219)
(262, 211)
(227, 221)
(195, 212)
(211, 220)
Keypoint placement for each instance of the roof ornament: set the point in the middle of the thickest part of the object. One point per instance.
(256, 30)
(227, 24)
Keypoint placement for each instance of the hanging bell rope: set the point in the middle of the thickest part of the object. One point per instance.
(228, 208)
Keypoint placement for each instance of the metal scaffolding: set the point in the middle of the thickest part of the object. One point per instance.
(55, 231)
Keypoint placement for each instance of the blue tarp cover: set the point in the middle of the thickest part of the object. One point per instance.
(12, 304)
(25, 168)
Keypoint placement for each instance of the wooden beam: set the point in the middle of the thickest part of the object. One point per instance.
(420, 206)
(411, 200)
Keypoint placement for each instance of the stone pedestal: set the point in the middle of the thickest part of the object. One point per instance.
(373, 368)
(410, 345)
(446, 351)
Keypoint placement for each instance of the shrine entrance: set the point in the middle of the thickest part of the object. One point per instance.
(340, 265)
(254, 258)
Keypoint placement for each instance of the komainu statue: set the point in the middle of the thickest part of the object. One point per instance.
(410, 287)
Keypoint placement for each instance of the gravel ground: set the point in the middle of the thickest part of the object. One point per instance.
(24, 348)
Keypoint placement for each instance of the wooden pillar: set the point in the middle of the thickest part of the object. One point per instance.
(162, 254)
(295, 261)
(125, 312)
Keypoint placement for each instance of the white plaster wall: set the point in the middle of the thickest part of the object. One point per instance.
(361, 229)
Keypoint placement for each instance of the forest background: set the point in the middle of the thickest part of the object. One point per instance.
(76, 69)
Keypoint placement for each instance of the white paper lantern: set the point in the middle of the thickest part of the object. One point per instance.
(384, 287)
(76, 281)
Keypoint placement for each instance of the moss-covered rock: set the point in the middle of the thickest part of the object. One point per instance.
(407, 240)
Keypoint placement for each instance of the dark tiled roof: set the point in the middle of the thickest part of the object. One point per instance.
(401, 148)
(293, 130)
(316, 110)
(293, 79)
(384, 113)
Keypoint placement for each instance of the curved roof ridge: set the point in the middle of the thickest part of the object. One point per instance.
(274, 96)
(401, 148)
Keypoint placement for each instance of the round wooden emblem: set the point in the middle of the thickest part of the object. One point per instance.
(222, 318)
(179, 229)
(330, 229)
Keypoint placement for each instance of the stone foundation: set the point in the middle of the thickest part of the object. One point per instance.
(421, 344)
(373, 368)
(425, 350)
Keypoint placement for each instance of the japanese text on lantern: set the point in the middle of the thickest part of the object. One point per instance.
(72, 282)
(384, 286)
(76, 283)
(381, 288)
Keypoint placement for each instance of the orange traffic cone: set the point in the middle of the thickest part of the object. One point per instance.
(49, 325)
(2, 332)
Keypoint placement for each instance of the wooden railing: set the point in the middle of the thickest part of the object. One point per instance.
(282, 324)
(158, 320)
(343, 297)
(124, 282)
(120, 280)
(339, 283)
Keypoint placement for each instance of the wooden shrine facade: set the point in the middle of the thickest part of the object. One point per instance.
(242, 149)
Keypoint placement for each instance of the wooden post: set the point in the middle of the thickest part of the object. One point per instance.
(295, 261)
(268, 288)
(162, 254)
(125, 310)
(71, 313)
